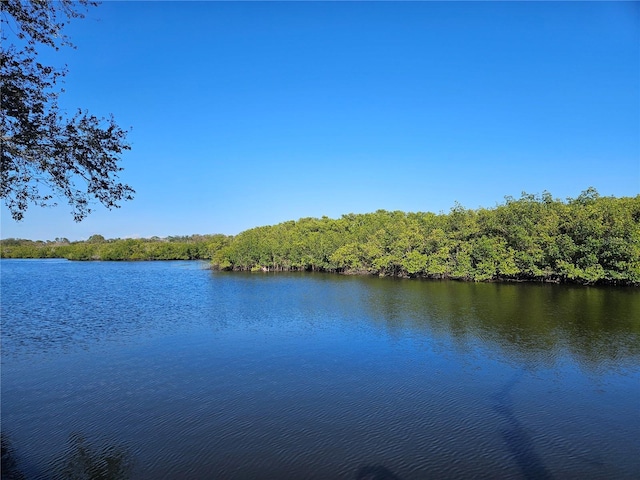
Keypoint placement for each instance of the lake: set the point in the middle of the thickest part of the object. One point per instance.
(148, 370)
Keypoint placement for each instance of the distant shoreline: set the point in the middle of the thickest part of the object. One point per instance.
(589, 240)
(355, 273)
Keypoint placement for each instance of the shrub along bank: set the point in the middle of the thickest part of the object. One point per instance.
(589, 239)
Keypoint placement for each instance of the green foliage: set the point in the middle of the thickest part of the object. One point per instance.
(77, 157)
(96, 239)
(196, 247)
(590, 239)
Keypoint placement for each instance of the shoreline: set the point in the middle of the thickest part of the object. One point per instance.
(444, 278)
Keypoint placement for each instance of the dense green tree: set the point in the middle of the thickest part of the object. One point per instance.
(96, 239)
(589, 239)
(197, 247)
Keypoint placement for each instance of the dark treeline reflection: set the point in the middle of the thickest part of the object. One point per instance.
(171, 371)
(375, 472)
(75, 305)
(533, 323)
(80, 460)
(10, 469)
(83, 460)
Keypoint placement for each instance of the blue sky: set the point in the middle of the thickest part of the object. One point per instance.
(246, 114)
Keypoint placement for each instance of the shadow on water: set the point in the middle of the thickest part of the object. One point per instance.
(9, 470)
(519, 443)
(81, 460)
(375, 472)
(84, 460)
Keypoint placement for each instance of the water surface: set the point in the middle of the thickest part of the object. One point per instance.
(167, 370)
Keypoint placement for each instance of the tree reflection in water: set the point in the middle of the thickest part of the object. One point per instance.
(9, 468)
(81, 460)
(375, 472)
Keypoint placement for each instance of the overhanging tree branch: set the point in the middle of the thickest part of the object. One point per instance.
(75, 158)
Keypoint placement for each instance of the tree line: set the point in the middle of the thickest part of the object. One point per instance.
(589, 239)
(194, 247)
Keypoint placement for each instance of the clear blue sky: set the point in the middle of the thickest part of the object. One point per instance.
(248, 114)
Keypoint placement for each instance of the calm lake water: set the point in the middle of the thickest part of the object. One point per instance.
(167, 370)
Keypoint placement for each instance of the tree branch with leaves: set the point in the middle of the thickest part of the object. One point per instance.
(45, 153)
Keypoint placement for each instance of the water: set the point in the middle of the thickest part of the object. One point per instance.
(167, 370)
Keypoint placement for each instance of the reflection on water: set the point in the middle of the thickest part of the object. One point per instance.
(57, 305)
(81, 460)
(530, 323)
(201, 374)
(9, 468)
(375, 472)
(75, 305)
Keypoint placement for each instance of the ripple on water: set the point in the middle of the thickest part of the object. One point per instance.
(183, 373)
